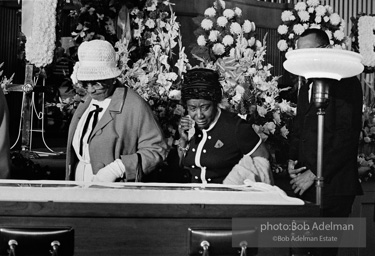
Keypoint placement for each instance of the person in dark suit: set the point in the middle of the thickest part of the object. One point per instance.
(342, 126)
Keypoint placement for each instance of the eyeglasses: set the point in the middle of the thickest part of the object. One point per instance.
(96, 84)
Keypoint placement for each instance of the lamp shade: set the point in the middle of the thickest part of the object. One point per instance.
(323, 63)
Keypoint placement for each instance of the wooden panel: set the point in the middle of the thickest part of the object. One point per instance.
(364, 207)
(153, 210)
(136, 229)
(104, 236)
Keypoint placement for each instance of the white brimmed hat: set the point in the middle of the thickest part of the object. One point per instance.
(97, 61)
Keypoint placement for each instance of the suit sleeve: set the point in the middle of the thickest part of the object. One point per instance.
(341, 136)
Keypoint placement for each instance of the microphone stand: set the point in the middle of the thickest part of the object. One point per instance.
(321, 99)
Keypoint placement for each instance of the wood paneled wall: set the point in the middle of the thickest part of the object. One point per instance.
(9, 32)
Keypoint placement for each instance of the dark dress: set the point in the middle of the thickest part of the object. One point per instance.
(214, 151)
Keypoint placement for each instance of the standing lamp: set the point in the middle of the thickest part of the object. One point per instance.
(322, 65)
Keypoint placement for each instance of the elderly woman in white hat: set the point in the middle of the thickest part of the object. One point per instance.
(113, 135)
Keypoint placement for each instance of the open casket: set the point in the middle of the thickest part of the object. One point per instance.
(140, 218)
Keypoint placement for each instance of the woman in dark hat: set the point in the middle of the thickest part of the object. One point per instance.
(214, 142)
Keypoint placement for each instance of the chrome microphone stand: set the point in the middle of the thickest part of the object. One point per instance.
(321, 99)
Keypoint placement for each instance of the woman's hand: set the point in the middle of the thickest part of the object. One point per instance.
(186, 123)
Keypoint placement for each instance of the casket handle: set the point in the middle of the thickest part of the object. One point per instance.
(12, 247)
(243, 246)
(205, 245)
(55, 246)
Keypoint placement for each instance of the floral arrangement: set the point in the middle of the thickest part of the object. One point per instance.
(4, 82)
(363, 39)
(310, 14)
(249, 88)
(368, 129)
(156, 78)
(39, 48)
(220, 30)
(366, 157)
(366, 166)
(95, 20)
(146, 21)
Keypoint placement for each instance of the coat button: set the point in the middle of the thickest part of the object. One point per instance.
(193, 150)
(204, 151)
(209, 179)
(209, 137)
(196, 177)
(193, 166)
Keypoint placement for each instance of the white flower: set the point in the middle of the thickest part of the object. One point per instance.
(329, 9)
(175, 95)
(286, 15)
(311, 9)
(232, 52)
(313, 3)
(269, 127)
(339, 35)
(40, 47)
(284, 132)
(320, 10)
(253, 27)
(238, 11)
(284, 106)
(246, 26)
(228, 40)
(206, 24)
(151, 8)
(329, 33)
(261, 111)
(218, 49)
(282, 45)
(258, 44)
(282, 29)
(150, 23)
(366, 40)
(213, 35)
(314, 25)
(291, 35)
(251, 41)
(326, 18)
(298, 29)
(335, 19)
(201, 40)
(172, 76)
(222, 21)
(228, 13)
(318, 19)
(300, 6)
(210, 12)
(235, 28)
(304, 16)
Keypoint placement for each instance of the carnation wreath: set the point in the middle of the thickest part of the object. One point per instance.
(310, 14)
